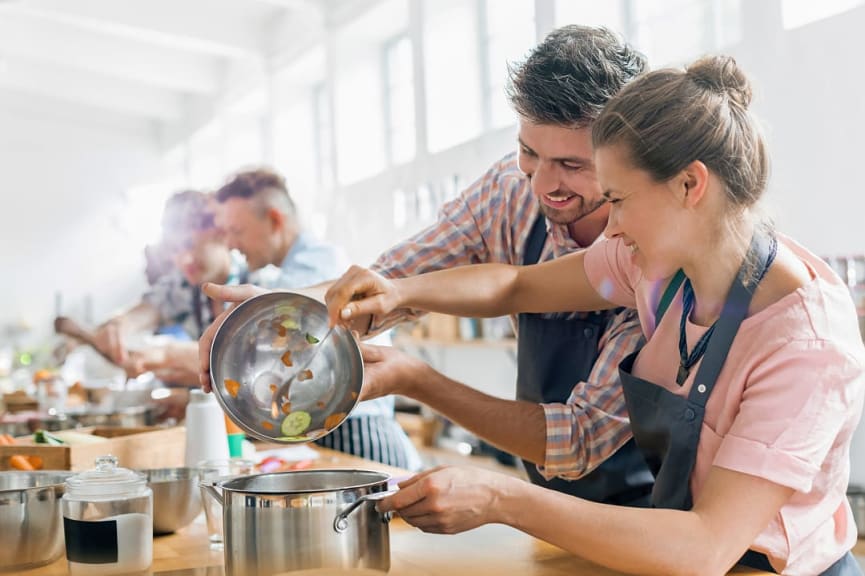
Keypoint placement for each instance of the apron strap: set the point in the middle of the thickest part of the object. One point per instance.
(536, 241)
(732, 314)
(669, 294)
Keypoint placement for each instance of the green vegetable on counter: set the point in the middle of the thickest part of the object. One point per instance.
(43, 437)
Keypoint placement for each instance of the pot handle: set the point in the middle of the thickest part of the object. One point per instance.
(340, 523)
(210, 486)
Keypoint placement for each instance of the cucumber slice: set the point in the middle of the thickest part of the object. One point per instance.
(311, 339)
(295, 423)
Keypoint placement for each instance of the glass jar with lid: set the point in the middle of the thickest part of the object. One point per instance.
(108, 521)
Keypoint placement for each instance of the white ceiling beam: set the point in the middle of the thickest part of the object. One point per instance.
(129, 59)
(216, 27)
(92, 89)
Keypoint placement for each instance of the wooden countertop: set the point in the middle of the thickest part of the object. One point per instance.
(492, 550)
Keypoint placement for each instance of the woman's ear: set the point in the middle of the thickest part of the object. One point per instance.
(694, 180)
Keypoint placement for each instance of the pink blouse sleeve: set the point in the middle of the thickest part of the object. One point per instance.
(611, 272)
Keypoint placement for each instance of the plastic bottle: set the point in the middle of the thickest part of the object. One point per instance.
(205, 429)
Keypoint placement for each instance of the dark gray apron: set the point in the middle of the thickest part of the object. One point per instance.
(552, 356)
(667, 427)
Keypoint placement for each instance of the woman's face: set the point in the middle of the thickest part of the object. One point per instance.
(645, 214)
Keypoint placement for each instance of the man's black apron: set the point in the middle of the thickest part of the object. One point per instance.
(667, 427)
(552, 356)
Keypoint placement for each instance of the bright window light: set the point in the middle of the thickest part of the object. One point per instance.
(510, 34)
(400, 100)
(452, 73)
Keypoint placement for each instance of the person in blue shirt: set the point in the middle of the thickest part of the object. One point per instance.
(261, 220)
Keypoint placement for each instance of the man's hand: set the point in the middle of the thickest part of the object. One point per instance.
(449, 500)
(108, 340)
(360, 292)
(174, 363)
(387, 370)
(233, 294)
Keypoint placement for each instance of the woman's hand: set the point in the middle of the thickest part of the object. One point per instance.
(449, 500)
(361, 292)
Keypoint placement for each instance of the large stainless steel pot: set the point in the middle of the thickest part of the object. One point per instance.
(303, 520)
(31, 525)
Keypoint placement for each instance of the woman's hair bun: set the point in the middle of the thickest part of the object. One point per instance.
(722, 75)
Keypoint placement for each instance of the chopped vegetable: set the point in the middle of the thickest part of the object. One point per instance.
(334, 420)
(320, 405)
(43, 437)
(311, 339)
(286, 408)
(272, 387)
(290, 324)
(353, 395)
(295, 423)
(267, 425)
(304, 375)
(232, 386)
(303, 438)
(286, 358)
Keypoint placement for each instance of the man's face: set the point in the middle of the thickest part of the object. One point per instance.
(201, 256)
(247, 231)
(558, 161)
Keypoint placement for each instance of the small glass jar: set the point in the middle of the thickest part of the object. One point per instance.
(108, 521)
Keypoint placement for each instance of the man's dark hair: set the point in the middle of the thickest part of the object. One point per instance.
(263, 185)
(569, 77)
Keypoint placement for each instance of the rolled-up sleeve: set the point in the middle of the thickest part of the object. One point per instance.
(594, 423)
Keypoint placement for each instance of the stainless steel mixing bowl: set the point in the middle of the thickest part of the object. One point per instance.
(31, 524)
(176, 497)
(248, 362)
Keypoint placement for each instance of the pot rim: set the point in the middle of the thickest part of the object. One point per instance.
(384, 478)
(59, 481)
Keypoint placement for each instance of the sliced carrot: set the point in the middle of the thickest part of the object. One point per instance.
(286, 358)
(267, 425)
(286, 408)
(233, 387)
(6, 440)
(333, 420)
(20, 462)
(304, 375)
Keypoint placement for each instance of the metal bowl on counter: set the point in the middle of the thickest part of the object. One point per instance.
(269, 339)
(304, 520)
(132, 417)
(176, 497)
(31, 523)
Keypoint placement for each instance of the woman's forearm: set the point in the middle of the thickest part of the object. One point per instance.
(481, 291)
(489, 290)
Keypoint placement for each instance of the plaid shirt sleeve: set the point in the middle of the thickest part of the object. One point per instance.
(470, 230)
(593, 424)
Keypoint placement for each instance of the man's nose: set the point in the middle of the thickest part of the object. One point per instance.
(545, 178)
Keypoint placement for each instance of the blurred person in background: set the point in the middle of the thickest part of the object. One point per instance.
(260, 219)
(175, 305)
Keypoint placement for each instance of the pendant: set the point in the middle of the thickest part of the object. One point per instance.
(682, 374)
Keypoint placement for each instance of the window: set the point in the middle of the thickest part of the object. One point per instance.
(673, 32)
(323, 134)
(358, 115)
(399, 100)
(294, 153)
(452, 73)
(206, 156)
(510, 34)
(609, 13)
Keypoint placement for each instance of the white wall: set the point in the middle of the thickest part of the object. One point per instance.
(810, 93)
(64, 171)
